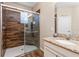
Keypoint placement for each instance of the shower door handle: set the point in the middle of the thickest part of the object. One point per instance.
(34, 31)
(31, 31)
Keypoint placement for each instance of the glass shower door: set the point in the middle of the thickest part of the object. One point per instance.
(31, 33)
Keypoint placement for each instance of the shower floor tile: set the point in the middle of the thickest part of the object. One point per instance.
(15, 51)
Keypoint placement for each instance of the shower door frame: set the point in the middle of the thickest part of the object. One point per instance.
(17, 9)
(13, 9)
(1, 47)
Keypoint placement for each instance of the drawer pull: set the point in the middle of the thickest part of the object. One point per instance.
(57, 56)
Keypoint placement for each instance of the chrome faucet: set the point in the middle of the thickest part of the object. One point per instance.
(68, 37)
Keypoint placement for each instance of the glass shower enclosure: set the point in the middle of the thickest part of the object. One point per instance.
(21, 31)
(31, 31)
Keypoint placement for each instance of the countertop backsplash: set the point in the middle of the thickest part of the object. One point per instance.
(72, 37)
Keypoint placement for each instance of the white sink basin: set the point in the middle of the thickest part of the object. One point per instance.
(74, 41)
(66, 42)
(50, 37)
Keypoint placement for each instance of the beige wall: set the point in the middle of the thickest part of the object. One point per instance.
(75, 20)
(64, 11)
(46, 20)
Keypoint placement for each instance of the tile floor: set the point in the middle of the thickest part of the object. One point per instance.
(13, 52)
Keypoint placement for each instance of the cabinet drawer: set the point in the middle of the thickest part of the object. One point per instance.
(48, 53)
(61, 50)
(51, 53)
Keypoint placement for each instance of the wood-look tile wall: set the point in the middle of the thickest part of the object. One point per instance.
(13, 34)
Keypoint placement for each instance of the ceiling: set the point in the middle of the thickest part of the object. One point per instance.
(29, 4)
(62, 4)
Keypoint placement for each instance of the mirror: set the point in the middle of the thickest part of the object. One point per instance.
(67, 21)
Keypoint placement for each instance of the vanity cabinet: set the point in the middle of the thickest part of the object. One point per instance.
(51, 53)
(52, 50)
(48, 53)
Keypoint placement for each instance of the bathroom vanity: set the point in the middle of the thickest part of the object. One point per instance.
(60, 47)
(65, 42)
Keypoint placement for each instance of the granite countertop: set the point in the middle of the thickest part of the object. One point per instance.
(67, 44)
